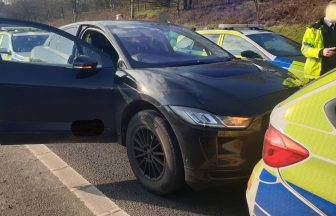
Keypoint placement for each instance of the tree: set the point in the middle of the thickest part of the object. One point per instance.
(187, 4)
(257, 5)
(2, 9)
(75, 11)
(132, 9)
(110, 4)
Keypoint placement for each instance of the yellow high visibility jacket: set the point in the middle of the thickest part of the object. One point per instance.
(312, 45)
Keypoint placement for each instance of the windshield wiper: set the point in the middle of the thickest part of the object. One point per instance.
(203, 61)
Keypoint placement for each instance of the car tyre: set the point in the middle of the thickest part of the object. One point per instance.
(154, 154)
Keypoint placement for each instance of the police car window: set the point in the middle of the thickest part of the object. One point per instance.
(213, 37)
(236, 45)
(32, 45)
(4, 42)
(25, 42)
(277, 45)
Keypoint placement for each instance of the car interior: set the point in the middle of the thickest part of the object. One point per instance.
(99, 41)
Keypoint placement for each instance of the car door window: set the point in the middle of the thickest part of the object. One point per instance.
(72, 30)
(33, 45)
(99, 41)
(213, 37)
(61, 50)
(236, 45)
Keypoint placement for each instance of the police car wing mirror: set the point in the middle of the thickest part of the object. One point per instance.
(5, 51)
(84, 64)
(250, 54)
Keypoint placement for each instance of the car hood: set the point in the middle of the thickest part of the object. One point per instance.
(235, 87)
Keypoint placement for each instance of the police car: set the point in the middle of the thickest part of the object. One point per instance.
(252, 41)
(298, 172)
(17, 43)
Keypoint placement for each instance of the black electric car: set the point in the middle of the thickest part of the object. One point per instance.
(186, 113)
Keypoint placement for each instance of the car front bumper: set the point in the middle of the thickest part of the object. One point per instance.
(215, 157)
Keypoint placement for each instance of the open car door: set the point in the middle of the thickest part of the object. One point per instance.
(54, 88)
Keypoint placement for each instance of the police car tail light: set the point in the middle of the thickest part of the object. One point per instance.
(281, 151)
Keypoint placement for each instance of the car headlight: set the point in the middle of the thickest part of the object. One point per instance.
(204, 118)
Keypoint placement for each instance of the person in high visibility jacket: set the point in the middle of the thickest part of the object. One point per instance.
(319, 45)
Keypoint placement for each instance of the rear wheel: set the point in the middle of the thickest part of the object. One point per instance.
(154, 154)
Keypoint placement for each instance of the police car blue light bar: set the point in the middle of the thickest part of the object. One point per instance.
(237, 26)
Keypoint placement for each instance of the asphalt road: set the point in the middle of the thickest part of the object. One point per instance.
(27, 187)
(106, 166)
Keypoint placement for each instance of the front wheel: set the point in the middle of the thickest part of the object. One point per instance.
(154, 154)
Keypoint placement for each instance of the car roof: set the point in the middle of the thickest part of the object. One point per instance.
(240, 31)
(121, 23)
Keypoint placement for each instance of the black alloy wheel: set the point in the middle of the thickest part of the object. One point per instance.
(154, 153)
(149, 154)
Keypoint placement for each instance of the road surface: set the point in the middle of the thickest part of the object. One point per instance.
(106, 166)
(27, 187)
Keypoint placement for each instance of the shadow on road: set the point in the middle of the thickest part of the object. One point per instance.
(106, 166)
(231, 199)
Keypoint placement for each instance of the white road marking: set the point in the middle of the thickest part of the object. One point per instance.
(93, 199)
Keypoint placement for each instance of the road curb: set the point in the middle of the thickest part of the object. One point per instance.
(93, 199)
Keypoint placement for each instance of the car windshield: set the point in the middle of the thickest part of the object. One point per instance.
(277, 44)
(159, 45)
(25, 43)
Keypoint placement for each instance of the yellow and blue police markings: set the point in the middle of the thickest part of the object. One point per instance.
(295, 68)
(269, 194)
(308, 187)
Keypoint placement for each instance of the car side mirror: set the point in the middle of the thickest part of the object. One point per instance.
(84, 64)
(250, 54)
(5, 51)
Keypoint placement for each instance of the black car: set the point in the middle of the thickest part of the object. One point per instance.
(186, 113)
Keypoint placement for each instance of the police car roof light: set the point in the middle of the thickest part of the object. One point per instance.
(241, 26)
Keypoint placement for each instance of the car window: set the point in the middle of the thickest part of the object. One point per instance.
(160, 45)
(213, 37)
(277, 44)
(188, 45)
(72, 30)
(236, 45)
(184, 43)
(100, 41)
(61, 44)
(4, 42)
(33, 45)
(26, 42)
